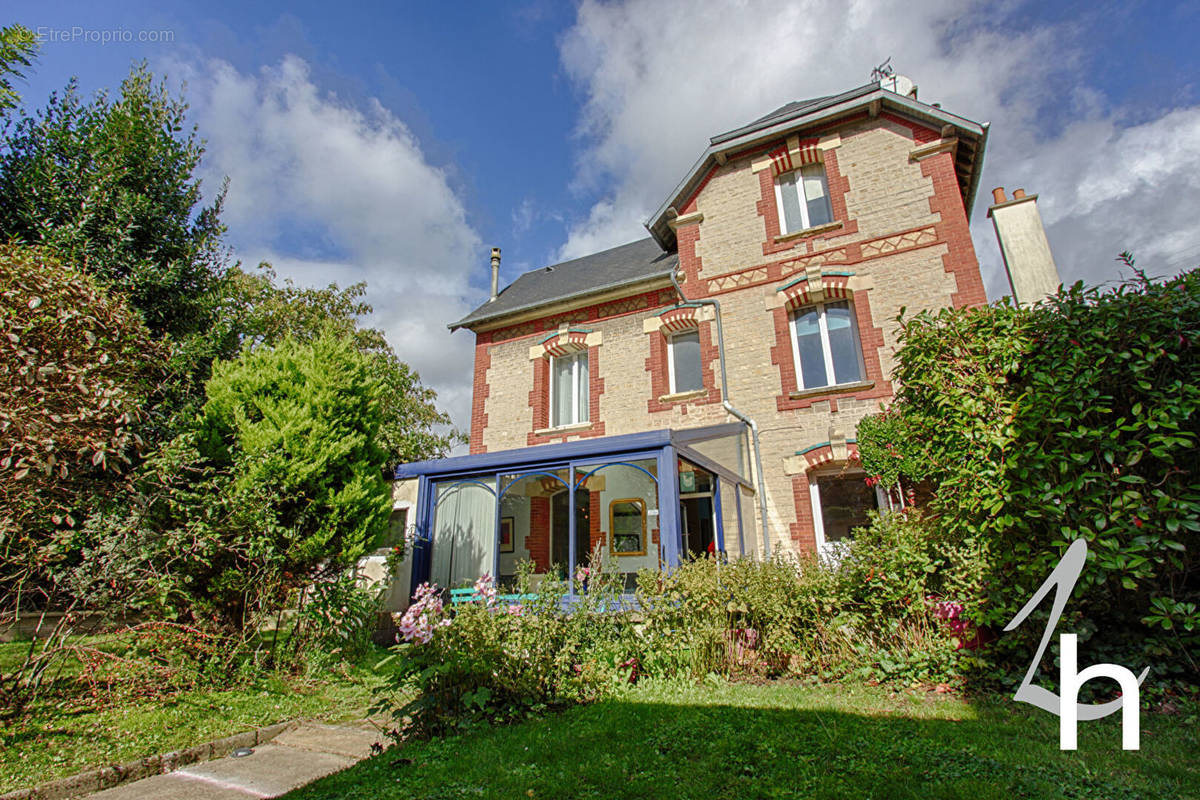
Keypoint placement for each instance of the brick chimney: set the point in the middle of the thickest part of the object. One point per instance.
(1027, 258)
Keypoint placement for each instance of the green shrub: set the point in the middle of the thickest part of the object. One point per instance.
(1077, 418)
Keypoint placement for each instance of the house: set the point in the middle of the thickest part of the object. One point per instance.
(698, 390)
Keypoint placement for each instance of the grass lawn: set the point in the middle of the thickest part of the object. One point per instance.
(743, 741)
(60, 738)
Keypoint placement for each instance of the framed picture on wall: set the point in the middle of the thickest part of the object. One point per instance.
(506, 534)
(627, 522)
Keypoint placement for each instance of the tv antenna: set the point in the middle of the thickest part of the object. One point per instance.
(884, 70)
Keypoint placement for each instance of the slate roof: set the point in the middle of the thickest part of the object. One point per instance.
(794, 109)
(599, 272)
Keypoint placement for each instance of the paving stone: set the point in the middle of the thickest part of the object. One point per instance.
(172, 787)
(270, 771)
(345, 741)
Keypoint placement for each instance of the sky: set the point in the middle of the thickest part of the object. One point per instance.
(398, 142)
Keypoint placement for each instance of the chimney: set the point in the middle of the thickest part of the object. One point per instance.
(1027, 258)
(495, 274)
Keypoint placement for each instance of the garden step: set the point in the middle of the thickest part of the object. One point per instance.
(296, 757)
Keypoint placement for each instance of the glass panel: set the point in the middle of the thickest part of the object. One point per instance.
(808, 349)
(729, 518)
(581, 387)
(685, 356)
(531, 508)
(394, 533)
(816, 195)
(464, 536)
(728, 451)
(845, 501)
(750, 536)
(843, 342)
(623, 483)
(560, 401)
(790, 197)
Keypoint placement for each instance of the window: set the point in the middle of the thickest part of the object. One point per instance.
(395, 532)
(840, 504)
(803, 199)
(825, 345)
(627, 522)
(683, 357)
(569, 389)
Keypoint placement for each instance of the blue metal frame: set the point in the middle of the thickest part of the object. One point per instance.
(581, 459)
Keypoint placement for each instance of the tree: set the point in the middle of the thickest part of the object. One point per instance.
(277, 483)
(255, 310)
(17, 49)
(108, 185)
(75, 367)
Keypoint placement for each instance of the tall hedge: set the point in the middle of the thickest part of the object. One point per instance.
(1074, 418)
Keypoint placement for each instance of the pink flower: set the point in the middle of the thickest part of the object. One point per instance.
(423, 616)
(485, 588)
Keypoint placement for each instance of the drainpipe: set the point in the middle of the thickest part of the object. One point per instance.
(758, 470)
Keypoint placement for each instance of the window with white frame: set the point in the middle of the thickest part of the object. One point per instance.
(840, 502)
(683, 362)
(825, 345)
(569, 389)
(803, 199)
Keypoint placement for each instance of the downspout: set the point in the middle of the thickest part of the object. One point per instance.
(758, 470)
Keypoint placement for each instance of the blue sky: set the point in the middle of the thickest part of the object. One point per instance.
(397, 142)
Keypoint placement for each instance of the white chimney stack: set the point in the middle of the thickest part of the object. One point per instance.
(495, 274)
(1027, 258)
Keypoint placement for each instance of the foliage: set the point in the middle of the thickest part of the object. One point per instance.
(107, 185)
(1075, 418)
(75, 368)
(166, 695)
(254, 310)
(499, 661)
(277, 484)
(337, 619)
(18, 46)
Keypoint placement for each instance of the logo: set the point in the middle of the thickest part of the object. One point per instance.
(1069, 711)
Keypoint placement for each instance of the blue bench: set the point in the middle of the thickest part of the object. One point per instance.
(469, 595)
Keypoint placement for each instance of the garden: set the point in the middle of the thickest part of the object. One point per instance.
(196, 455)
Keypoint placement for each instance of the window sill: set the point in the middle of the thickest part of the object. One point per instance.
(678, 396)
(572, 428)
(841, 388)
(813, 231)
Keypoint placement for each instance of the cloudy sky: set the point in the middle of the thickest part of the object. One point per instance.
(397, 142)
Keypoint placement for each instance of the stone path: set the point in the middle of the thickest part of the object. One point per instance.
(292, 759)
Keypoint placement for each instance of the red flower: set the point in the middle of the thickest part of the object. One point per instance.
(1137, 522)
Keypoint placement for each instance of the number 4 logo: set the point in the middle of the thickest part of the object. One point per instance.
(1069, 711)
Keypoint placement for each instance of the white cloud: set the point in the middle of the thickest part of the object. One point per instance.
(659, 77)
(311, 175)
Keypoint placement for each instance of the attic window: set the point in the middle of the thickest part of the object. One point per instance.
(803, 198)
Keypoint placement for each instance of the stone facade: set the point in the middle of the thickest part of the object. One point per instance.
(899, 239)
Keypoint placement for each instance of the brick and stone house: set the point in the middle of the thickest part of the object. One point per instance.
(700, 389)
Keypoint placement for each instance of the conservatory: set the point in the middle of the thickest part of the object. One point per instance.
(639, 501)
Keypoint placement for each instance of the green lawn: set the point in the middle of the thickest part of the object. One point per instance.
(742, 741)
(59, 738)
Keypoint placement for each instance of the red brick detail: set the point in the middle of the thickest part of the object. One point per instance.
(645, 301)
(480, 392)
(768, 209)
(803, 531)
(835, 286)
(565, 343)
(869, 336)
(538, 540)
(954, 231)
(595, 535)
(660, 382)
(820, 456)
(539, 401)
(689, 263)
